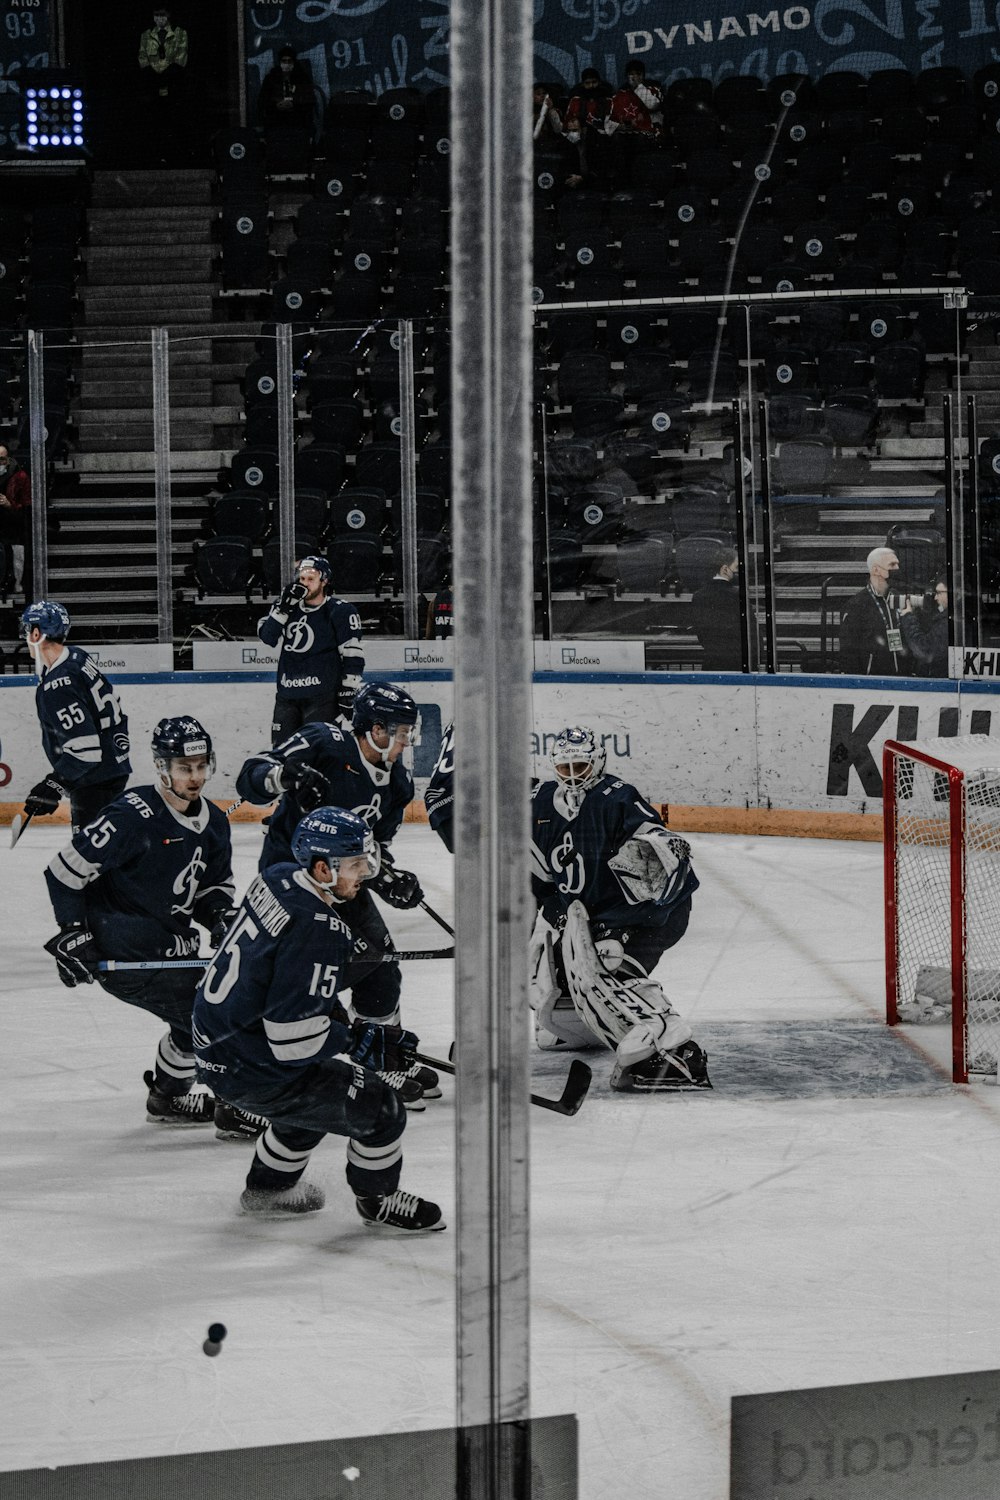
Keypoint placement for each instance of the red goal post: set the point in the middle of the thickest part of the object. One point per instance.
(942, 892)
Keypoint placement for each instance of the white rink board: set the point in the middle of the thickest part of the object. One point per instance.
(794, 743)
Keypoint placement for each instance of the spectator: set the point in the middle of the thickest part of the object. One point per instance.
(163, 59)
(925, 629)
(286, 95)
(715, 615)
(637, 108)
(546, 119)
(440, 622)
(586, 114)
(15, 518)
(871, 641)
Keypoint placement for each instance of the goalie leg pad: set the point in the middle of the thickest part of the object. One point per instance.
(558, 1026)
(610, 1004)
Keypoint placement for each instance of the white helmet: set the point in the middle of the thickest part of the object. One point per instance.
(578, 761)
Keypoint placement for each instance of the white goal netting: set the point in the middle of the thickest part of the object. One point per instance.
(942, 815)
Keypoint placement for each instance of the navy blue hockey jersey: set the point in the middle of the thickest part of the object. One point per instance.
(320, 648)
(439, 798)
(570, 855)
(376, 794)
(84, 732)
(141, 872)
(267, 1003)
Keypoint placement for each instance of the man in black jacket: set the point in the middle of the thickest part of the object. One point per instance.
(871, 641)
(715, 615)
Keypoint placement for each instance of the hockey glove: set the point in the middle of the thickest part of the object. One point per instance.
(399, 888)
(44, 798)
(221, 923)
(387, 1049)
(345, 702)
(310, 786)
(75, 953)
(291, 594)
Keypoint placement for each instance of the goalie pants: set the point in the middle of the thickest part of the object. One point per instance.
(331, 1097)
(647, 945)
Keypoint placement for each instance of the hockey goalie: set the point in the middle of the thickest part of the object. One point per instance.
(614, 890)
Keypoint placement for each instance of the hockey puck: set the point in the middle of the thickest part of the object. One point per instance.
(216, 1332)
(211, 1348)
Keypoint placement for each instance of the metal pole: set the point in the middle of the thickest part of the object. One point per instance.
(161, 460)
(286, 451)
(39, 473)
(491, 490)
(408, 480)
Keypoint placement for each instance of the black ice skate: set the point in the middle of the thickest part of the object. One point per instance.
(301, 1198)
(235, 1124)
(428, 1080)
(407, 1088)
(668, 1072)
(177, 1109)
(400, 1211)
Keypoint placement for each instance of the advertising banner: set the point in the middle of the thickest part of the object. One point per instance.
(384, 44)
(777, 745)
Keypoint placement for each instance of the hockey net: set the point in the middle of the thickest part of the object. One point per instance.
(942, 892)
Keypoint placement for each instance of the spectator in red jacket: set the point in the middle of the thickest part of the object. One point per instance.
(15, 513)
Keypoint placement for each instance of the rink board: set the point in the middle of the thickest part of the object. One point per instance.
(395, 1466)
(790, 755)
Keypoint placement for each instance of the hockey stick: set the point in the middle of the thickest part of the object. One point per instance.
(569, 1101)
(18, 824)
(439, 920)
(126, 966)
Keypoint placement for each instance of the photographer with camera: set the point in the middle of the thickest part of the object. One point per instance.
(321, 658)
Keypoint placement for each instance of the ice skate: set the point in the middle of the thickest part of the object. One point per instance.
(235, 1124)
(407, 1088)
(665, 1072)
(301, 1198)
(177, 1109)
(400, 1211)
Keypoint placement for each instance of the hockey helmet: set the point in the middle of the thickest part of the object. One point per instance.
(578, 761)
(383, 703)
(333, 834)
(319, 564)
(50, 618)
(180, 739)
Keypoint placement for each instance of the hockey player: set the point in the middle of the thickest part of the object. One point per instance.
(440, 796)
(321, 659)
(84, 732)
(361, 771)
(130, 885)
(614, 889)
(270, 1031)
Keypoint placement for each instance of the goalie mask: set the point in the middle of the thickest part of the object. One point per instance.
(578, 761)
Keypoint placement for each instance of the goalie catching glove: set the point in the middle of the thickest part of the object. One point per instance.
(75, 953)
(386, 1049)
(44, 798)
(652, 866)
(399, 888)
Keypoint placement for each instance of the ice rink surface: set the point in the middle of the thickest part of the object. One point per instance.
(828, 1214)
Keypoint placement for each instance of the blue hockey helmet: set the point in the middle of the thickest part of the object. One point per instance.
(578, 760)
(383, 703)
(180, 739)
(333, 834)
(46, 615)
(319, 564)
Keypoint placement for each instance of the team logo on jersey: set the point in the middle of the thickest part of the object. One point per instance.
(568, 865)
(186, 884)
(299, 635)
